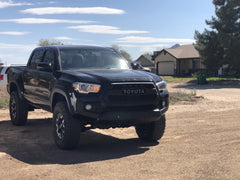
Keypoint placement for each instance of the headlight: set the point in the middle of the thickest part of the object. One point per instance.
(86, 88)
(162, 86)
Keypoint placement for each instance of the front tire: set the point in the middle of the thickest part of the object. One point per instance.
(18, 109)
(151, 132)
(66, 129)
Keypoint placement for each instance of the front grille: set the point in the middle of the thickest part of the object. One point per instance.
(132, 94)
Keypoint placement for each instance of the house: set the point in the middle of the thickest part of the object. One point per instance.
(145, 60)
(179, 60)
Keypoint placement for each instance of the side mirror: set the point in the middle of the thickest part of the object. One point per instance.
(44, 66)
(135, 66)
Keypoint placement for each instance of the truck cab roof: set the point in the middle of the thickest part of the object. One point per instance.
(73, 47)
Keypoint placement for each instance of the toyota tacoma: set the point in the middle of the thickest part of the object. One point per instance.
(87, 87)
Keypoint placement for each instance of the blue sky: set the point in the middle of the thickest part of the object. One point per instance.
(136, 26)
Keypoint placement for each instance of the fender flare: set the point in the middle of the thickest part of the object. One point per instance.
(19, 89)
(65, 95)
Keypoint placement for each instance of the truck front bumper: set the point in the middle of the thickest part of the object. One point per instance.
(120, 117)
(128, 118)
(101, 115)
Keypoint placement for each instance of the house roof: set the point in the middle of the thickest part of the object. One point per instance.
(147, 57)
(180, 52)
(184, 52)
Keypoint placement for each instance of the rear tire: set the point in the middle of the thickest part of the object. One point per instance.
(18, 109)
(66, 129)
(151, 132)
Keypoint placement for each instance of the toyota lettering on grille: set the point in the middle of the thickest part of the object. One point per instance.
(133, 91)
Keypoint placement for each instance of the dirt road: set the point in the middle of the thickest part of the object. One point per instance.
(202, 141)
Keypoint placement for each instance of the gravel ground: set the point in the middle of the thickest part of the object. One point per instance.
(201, 141)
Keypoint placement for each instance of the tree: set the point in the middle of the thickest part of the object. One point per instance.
(221, 44)
(124, 53)
(47, 42)
(210, 50)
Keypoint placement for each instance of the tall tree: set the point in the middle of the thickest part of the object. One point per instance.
(210, 50)
(124, 53)
(221, 44)
(47, 42)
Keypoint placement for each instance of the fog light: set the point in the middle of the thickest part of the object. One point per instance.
(163, 103)
(88, 107)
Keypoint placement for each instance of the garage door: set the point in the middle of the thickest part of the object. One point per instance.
(166, 68)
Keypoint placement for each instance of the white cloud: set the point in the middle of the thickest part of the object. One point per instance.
(63, 38)
(43, 21)
(16, 46)
(13, 59)
(14, 33)
(15, 53)
(144, 40)
(50, 2)
(71, 10)
(101, 29)
(145, 47)
(4, 4)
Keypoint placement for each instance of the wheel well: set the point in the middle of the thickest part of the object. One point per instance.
(56, 98)
(13, 87)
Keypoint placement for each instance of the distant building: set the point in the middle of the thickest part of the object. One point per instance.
(178, 60)
(145, 60)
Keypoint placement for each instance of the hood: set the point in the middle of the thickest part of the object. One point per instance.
(114, 76)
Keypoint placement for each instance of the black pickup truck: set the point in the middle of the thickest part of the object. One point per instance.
(87, 87)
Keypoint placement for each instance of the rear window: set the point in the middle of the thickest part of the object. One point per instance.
(1, 69)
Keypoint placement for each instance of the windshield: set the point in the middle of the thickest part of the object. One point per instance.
(91, 59)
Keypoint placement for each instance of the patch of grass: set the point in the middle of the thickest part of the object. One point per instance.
(214, 80)
(222, 79)
(172, 79)
(4, 103)
(176, 97)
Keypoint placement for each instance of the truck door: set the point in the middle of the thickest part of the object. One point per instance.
(46, 79)
(30, 76)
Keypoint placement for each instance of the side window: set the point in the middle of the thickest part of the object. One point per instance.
(36, 58)
(49, 57)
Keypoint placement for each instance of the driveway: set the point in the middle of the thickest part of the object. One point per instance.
(202, 141)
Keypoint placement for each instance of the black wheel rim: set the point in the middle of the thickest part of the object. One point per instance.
(60, 126)
(13, 108)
